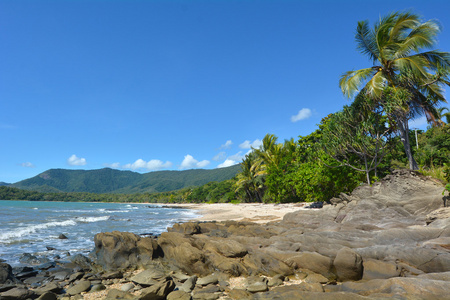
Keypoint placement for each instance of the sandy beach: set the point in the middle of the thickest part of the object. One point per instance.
(253, 212)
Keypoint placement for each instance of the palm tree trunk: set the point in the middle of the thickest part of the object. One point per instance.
(404, 135)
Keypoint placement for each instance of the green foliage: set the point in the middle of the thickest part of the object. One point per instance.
(124, 182)
(447, 188)
(357, 137)
(434, 146)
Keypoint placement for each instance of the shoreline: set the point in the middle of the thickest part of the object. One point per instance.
(260, 213)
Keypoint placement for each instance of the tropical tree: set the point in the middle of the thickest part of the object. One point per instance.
(251, 178)
(406, 82)
(357, 137)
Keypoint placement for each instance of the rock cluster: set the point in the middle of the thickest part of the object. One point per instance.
(389, 240)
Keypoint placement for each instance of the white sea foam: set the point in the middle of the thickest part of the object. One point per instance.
(92, 219)
(23, 231)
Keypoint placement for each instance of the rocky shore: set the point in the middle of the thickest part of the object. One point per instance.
(389, 240)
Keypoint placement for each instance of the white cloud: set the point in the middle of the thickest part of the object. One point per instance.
(220, 156)
(227, 163)
(151, 165)
(227, 145)
(27, 165)
(248, 145)
(76, 161)
(303, 114)
(238, 156)
(189, 162)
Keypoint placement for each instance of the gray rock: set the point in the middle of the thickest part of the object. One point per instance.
(376, 269)
(6, 275)
(82, 261)
(17, 293)
(148, 277)
(348, 265)
(127, 287)
(178, 295)
(310, 287)
(157, 291)
(81, 286)
(189, 284)
(49, 287)
(205, 296)
(114, 294)
(275, 281)
(120, 250)
(98, 287)
(312, 261)
(257, 287)
(47, 296)
(188, 228)
(211, 279)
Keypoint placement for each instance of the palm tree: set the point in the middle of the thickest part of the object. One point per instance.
(406, 82)
(441, 115)
(250, 179)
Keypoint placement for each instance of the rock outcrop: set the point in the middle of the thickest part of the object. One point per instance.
(389, 240)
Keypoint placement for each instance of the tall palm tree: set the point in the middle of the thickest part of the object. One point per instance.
(406, 82)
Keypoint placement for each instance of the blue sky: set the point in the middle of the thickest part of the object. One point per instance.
(171, 85)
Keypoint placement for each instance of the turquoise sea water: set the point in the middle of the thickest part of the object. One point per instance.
(32, 226)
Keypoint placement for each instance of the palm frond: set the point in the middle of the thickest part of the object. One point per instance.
(365, 40)
(352, 80)
(415, 64)
(376, 84)
(438, 59)
(403, 23)
(423, 36)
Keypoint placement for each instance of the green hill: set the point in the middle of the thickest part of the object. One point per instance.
(4, 183)
(124, 182)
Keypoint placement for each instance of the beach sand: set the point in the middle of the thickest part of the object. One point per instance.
(252, 212)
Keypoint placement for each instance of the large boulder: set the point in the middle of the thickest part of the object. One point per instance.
(313, 261)
(348, 265)
(6, 275)
(120, 250)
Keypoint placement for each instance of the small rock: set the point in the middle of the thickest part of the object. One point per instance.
(189, 284)
(159, 290)
(238, 294)
(112, 275)
(211, 279)
(179, 295)
(98, 287)
(313, 278)
(17, 293)
(76, 276)
(148, 277)
(116, 294)
(81, 286)
(126, 287)
(48, 296)
(257, 287)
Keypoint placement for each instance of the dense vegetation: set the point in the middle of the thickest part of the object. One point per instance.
(361, 143)
(125, 182)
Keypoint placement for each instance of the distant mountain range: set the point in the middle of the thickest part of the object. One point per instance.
(4, 183)
(123, 182)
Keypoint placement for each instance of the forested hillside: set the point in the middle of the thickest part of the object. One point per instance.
(115, 181)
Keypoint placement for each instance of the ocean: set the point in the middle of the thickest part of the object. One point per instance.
(34, 226)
